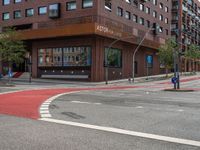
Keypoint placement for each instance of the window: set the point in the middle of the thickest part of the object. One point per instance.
(17, 14)
(119, 11)
(71, 5)
(6, 16)
(135, 18)
(128, 1)
(17, 1)
(147, 10)
(77, 56)
(42, 10)
(166, 9)
(141, 21)
(57, 56)
(87, 3)
(161, 5)
(29, 12)
(141, 7)
(166, 20)
(154, 14)
(108, 5)
(45, 57)
(161, 17)
(148, 24)
(54, 10)
(68, 56)
(155, 2)
(161, 30)
(6, 2)
(128, 15)
(113, 57)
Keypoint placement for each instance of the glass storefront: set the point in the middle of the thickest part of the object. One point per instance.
(67, 56)
(113, 57)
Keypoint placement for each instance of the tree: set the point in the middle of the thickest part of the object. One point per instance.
(193, 53)
(12, 48)
(166, 54)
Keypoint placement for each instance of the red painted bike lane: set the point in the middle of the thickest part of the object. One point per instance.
(26, 103)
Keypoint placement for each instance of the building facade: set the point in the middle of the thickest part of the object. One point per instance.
(72, 38)
(186, 28)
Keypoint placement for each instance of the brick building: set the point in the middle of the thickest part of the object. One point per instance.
(70, 38)
(186, 28)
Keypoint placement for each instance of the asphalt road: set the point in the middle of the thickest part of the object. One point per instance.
(25, 134)
(143, 110)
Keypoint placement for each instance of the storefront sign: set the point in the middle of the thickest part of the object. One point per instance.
(106, 30)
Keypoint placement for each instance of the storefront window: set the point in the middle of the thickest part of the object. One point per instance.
(68, 56)
(41, 57)
(57, 56)
(113, 57)
(77, 56)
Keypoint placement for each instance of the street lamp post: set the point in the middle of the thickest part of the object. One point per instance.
(30, 69)
(109, 47)
(135, 51)
(137, 48)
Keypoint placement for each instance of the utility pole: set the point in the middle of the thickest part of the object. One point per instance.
(179, 47)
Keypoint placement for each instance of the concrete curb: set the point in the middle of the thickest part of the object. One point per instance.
(137, 80)
(179, 90)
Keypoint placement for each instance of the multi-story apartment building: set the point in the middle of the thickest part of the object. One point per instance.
(71, 38)
(186, 28)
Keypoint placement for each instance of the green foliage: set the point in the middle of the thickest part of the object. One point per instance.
(166, 53)
(11, 47)
(193, 52)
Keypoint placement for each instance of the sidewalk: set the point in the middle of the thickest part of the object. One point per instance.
(85, 83)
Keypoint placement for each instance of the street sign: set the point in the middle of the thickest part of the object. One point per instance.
(149, 59)
(174, 80)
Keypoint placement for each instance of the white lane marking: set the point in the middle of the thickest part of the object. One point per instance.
(180, 110)
(97, 103)
(125, 132)
(44, 111)
(139, 107)
(46, 115)
(46, 103)
(44, 108)
(79, 102)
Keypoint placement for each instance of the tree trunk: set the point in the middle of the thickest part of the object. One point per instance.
(193, 65)
(185, 67)
(166, 71)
